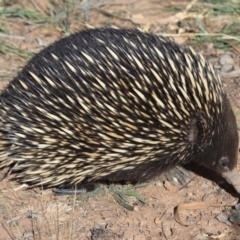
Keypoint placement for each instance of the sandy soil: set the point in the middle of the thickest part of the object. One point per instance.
(39, 214)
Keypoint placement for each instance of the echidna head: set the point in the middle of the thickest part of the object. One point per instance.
(228, 148)
(228, 141)
(221, 154)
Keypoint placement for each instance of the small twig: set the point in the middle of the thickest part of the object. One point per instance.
(186, 184)
(190, 5)
(120, 3)
(11, 36)
(74, 203)
(164, 235)
(224, 36)
(13, 220)
(232, 74)
(109, 14)
(36, 6)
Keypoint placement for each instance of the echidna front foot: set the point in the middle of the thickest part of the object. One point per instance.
(180, 173)
(76, 189)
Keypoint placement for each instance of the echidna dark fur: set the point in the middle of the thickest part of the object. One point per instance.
(115, 104)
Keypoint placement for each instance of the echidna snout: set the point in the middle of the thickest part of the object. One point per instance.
(122, 105)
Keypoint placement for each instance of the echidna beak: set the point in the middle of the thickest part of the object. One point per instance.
(233, 178)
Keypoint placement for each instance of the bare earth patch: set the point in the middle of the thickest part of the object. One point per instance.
(39, 214)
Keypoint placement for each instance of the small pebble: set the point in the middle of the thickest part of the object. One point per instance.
(157, 221)
(159, 184)
(200, 237)
(226, 59)
(168, 186)
(175, 180)
(136, 209)
(227, 68)
(204, 185)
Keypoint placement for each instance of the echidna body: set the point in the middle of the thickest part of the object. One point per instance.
(118, 105)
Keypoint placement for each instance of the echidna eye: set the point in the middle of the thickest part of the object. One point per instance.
(223, 162)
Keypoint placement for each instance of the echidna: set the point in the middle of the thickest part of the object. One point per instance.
(116, 104)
